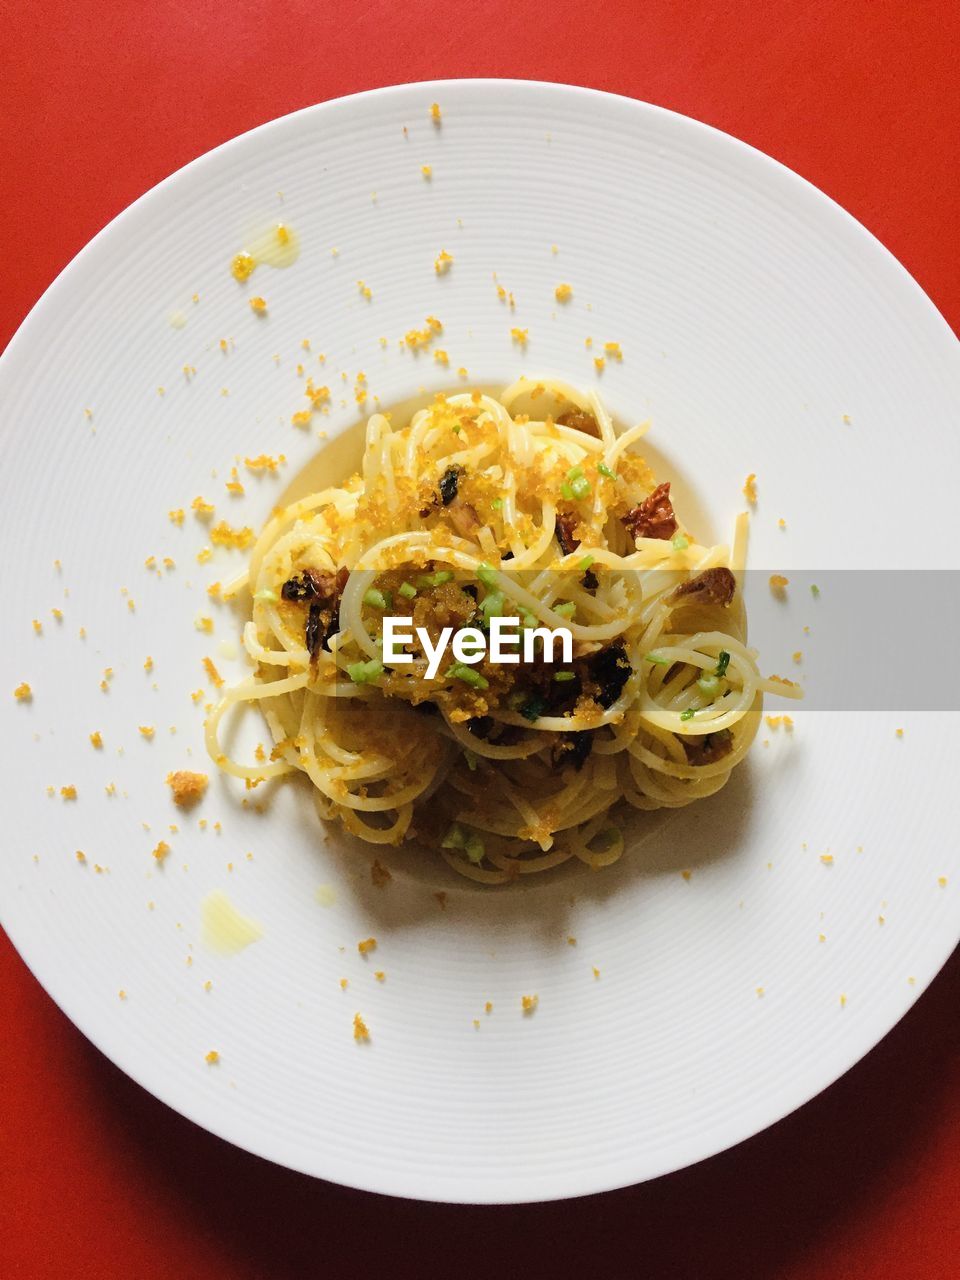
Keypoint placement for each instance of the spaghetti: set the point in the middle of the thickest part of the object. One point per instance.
(528, 505)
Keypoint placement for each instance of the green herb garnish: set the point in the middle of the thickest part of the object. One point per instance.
(460, 671)
(723, 661)
(365, 672)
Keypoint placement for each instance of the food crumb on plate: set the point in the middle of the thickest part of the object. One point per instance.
(529, 1003)
(81, 857)
(843, 1001)
(96, 740)
(212, 1058)
(750, 488)
(827, 859)
(686, 875)
(596, 972)
(187, 787)
(488, 1007)
(442, 262)
(23, 692)
(571, 941)
(368, 944)
(563, 292)
(69, 792)
(942, 881)
(380, 975)
(435, 113)
(379, 874)
(360, 1030)
(161, 851)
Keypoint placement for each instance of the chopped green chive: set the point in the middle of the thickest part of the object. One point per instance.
(486, 574)
(566, 493)
(605, 471)
(471, 759)
(655, 657)
(814, 590)
(580, 487)
(492, 604)
(586, 563)
(434, 579)
(460, 671)
(473, 847)
(407, 590)
(455, 838)
(723, 661)
(709, 686)
(266, 594)
(365, 672)
(688, 714)
(680, 543)
(566, 610)
(497, 504)
(376, 599)
(562, 676)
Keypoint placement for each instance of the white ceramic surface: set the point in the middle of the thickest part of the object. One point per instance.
(753, 313)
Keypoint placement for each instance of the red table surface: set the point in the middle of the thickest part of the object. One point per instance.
(99, 100)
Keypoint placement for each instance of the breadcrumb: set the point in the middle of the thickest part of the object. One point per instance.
(942, 881)
(187, 787)
(488, 1007)
(147, 730)
(442, 262)
(258, 305)
(529, 1003)
(81, 857)
(435, 114)
(360, 1031)
(750, 488)
(212, 672)
(520, 336)
(827, 859)
(161, 851)
(212, 1058)
(778, 583)
(380, 975)
(427, 171)
(368, 944)
(96, 740)
(69, 792)
(23, 692)
(563, 292)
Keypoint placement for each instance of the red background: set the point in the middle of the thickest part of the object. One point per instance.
(99, 100)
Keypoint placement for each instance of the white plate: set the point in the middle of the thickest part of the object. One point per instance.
(753, 313)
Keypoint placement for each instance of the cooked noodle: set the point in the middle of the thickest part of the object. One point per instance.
(507, 770)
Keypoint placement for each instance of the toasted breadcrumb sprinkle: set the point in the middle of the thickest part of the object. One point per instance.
(613, 350)
(427, 171)
(942, 881)
(258, 305)
(827, 859)
(442, 262)
(571, 941)
(147, 730)
(212, 1058)
(778, 584)
(360, 1031)
(563, 292)
(368, 944)
(212, 672)
(899, 733)
(529, 1003)
(380, 975)
(264, 462)
(686, 874)
(441, 898)
(596, 972)
(187, 787)
(23, 692)
(776, 721)
(599, 363)
(750, 488)
(202, 509)
(520, 336)
(69, 792)
(344, 983)
(81, 857)
(798, 656)
(161, 851)
(759, 991)
(38, 626)
(435, 114)
(843, 1001)
(96, 739)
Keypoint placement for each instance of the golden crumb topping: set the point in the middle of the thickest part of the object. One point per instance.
(161, 851)
(529, 1003)
(187, 787)
(23, 692)
(368, 944)
(360, 1031)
